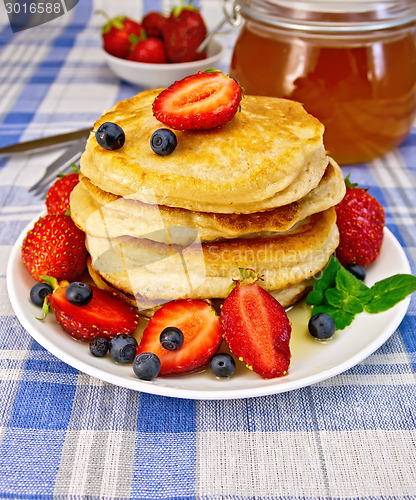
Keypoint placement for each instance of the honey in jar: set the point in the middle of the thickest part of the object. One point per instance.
(352, 65)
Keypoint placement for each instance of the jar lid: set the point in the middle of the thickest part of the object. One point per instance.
(331, 16)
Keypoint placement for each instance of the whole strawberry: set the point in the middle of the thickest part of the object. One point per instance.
(54, 247)
(148, 50)
(116, 34)
(57, 199)
(153, 24)
(183, 31)
(360, 220)
(256, 328)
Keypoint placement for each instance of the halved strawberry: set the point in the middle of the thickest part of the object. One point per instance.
(105, 315)
(201, 330)
(198, 102)
(256, 328)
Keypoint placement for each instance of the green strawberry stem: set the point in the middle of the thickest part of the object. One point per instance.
(350, 184)
(74, 168)
(116, 22)
(248, 277)
(52, 282)
(176, 11)
(134, 39)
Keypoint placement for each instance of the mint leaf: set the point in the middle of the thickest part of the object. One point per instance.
(341, 317)
(353, 286)
(327, 280)
(341, 295)
(388, 292)
(342, 300)
(315, 297)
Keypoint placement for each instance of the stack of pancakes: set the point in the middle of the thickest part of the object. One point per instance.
(255, 193)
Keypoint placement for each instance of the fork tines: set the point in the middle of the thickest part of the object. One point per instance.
(61, 165)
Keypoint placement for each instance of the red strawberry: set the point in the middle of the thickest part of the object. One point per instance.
(184, 30)
(54, 247)
(153, 24)
(116, 35)
(149, 50)
(105, 315)
(360, 220)
(57, 199)
(256, 328)
(200, 102)
(200, 327)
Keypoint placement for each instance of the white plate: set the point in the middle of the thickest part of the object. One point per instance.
(312, 360)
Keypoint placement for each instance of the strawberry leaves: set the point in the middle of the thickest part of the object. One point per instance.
(341, 295)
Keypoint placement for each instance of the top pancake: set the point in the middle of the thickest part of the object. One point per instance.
(270, 154)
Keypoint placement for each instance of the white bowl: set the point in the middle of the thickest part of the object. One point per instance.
(149, 75)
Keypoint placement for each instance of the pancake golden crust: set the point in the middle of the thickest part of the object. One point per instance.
(270, 154)
(287, 296)
(102, 214)
(155, 271)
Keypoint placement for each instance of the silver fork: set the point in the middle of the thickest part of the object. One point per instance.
(61, 165)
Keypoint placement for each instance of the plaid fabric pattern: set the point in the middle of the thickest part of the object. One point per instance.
(64, 434)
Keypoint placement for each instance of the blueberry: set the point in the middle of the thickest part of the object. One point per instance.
(78, 293)
(110, 136)
(123, 348)
(356, 270)
(163, 141)
(38, 293)
(146, 366)
(321, 326)
(99, 346)
(171, 338)
(222, 365)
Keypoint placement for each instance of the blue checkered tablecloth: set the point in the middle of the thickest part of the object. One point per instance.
(64, 434)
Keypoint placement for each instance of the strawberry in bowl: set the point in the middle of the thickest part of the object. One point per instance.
(165, 50)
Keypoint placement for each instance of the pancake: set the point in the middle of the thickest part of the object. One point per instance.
(256, 193)
(287, 297)
(102, 214)
(269, 155)
(161, 272)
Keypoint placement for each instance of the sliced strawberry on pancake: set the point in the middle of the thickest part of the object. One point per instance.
(198, 102)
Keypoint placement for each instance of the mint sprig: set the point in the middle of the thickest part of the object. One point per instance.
(341, 295)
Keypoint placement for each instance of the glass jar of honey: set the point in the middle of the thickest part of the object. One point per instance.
(352, 63)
